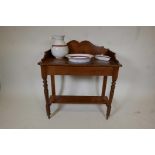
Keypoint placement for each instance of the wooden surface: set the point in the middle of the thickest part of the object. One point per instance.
(64, 62)
(51, 66)
(79, 99)
(79, 70)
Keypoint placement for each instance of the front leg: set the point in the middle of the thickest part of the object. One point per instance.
(110, 98)
(108, 110)
(46, 97)
(114, 78)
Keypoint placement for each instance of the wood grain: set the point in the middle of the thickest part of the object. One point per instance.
(79, 99)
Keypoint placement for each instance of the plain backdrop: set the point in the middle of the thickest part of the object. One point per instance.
(21, 91)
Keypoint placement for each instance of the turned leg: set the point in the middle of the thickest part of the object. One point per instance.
(46, 96)
(104, 85)
(114, 78)
(53, 87)
(108, 111)
(110, 97)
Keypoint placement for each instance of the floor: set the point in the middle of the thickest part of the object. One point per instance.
(25, 112)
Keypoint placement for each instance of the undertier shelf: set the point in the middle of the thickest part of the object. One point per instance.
(79, 99)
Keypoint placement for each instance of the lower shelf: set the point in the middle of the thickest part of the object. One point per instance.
(79, 99)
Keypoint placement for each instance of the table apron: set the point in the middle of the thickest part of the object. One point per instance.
(69, 70)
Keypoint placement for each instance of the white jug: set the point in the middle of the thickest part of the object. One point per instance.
(59, 48)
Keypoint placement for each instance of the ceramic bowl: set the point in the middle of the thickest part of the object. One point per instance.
(102, 57)
(79, 58)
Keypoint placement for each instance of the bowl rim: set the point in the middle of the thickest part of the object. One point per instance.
(102, 55)
(79, 55)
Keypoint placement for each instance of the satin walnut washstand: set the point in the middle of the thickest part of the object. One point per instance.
(51, 67)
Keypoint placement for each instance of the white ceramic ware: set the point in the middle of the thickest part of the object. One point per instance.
(59, 48)
(102, 57)
(79, 58)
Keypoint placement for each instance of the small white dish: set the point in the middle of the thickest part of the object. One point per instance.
(79, 58)
(102, 57)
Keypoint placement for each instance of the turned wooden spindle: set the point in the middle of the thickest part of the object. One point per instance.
(113, 83)
(46, 96)
(110, 98)
(53, 87)
(104, 85)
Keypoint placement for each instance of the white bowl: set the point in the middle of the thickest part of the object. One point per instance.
(102, 57)
(79, 58)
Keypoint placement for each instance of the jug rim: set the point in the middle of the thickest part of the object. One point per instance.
(60, 37)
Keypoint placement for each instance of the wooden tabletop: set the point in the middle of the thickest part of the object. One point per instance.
(64, 62)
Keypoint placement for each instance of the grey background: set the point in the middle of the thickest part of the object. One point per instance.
(21, 92)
